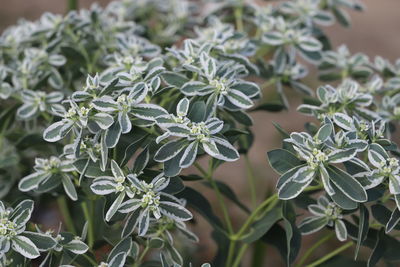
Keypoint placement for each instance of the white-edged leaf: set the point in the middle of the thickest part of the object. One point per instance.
(312, 224)
(175, 211)
(340, 230)
(115, 206)
(25, 247)
(76, 246)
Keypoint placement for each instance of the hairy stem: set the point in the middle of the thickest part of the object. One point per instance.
(330, 255)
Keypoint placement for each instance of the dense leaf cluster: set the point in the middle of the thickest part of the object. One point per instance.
(107, 106)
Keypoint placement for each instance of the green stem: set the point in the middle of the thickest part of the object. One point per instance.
(209, 178)
(72, 5)
(92, 261)
(62, 205)
(332, 254)
(88, 218)
(238, 13)
(314, 247)
(251, 180)
(231, 253)
(254, 215)
(240, 255)
(141, 257)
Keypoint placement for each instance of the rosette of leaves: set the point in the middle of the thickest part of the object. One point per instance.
(308, 12)
(324, 213)
(36, 102)
(36, 66)
(337, 9)
(76, 119)
(48, 175)
(314, 160)
(389, 71)
(193, 134)
(283, 71)
(347, 98)
(228, 43)
(145, 199)
(130, 71)
(216, 81)
(390, 109)
(385, 169)
(135, 46)
(13, 234)
(288, 35)
(5, 88)
(67, 247)
(342, 64)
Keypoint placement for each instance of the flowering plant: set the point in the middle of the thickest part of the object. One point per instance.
(113, 113)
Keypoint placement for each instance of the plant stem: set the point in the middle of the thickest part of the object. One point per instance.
(209, 178)
(88, 218)
(144, 252)
(240, 255)
(251, 180)
(330, 255)
(72, 5)
(92, 261)
(255, 213)
(62, 205)
(238, 13)
(314, 247)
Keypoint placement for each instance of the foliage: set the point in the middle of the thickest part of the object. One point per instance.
(108, 106)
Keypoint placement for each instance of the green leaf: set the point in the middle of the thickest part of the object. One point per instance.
(175, 211)
(293, 235)
(123, 246)
(148, 111)
(170, 150)
(260, 227)
(103, 120)
(379, 249)
(25, 247)
(115, 206)
(174, 79)
(43, 242)
(282, 160)
(69, 187)
(192, 88)
(141, 161)
(226, 151)
(198, 202)
(347, 184)
(53, 132)
(342, 200)
(76, 246)
(393, 221)
(340, 230)
(312, 224)
(271, 107)
(340, 156)
(343, 121)
(363, 227)
(324, 132)
(32, 181)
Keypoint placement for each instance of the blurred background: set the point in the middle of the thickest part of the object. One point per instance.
(374, 32)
